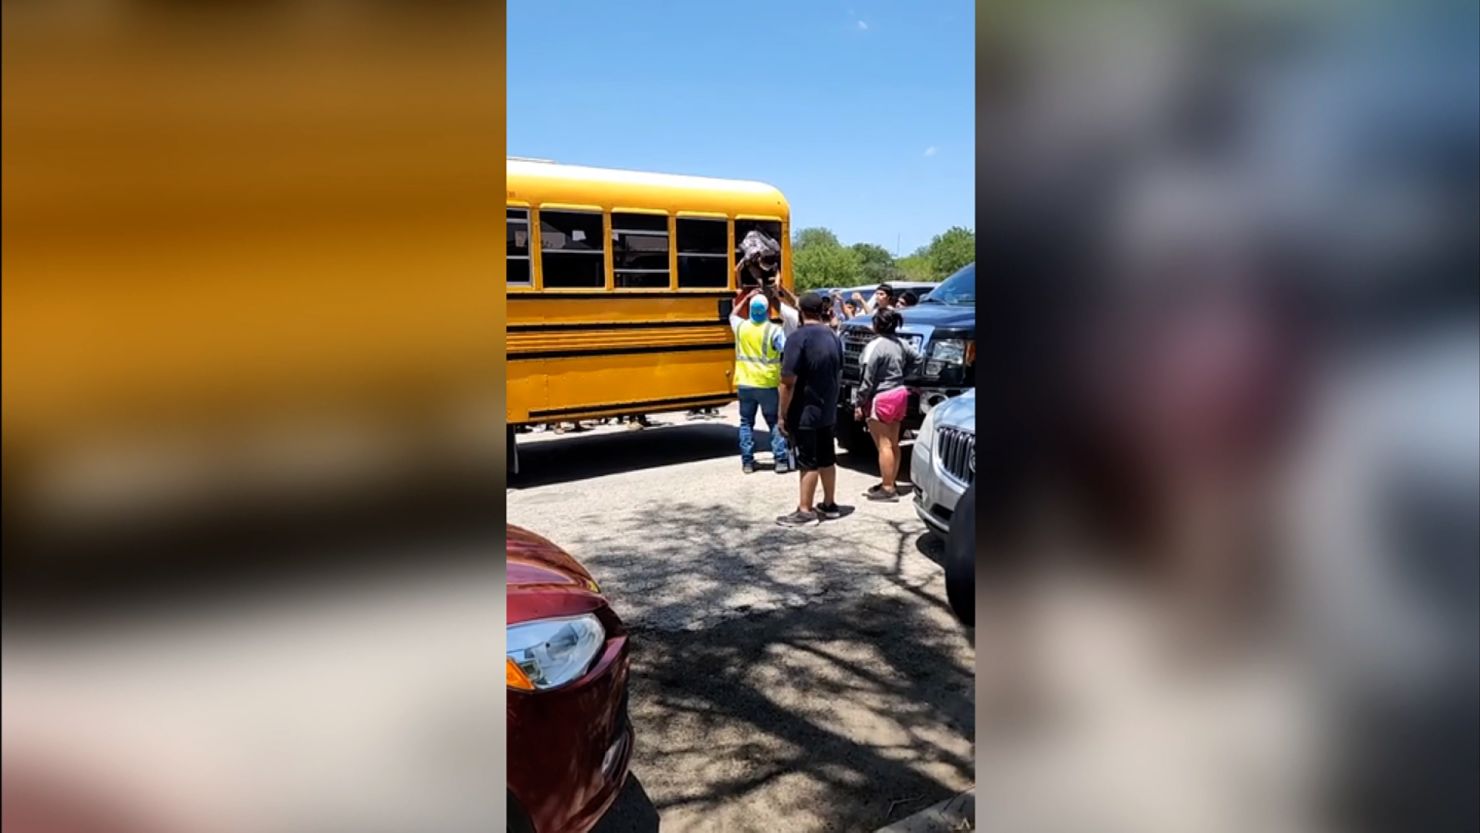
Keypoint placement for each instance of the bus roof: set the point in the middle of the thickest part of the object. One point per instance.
(542, 182)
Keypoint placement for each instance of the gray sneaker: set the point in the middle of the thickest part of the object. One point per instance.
(799, 518)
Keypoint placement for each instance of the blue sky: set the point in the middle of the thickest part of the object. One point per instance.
(863, 115)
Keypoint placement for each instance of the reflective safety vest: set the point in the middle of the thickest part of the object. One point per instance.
(757, 362)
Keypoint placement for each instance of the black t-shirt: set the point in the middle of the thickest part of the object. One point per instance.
(815, 356)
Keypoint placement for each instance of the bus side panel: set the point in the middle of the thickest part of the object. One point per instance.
(670, 381)
(524, 390)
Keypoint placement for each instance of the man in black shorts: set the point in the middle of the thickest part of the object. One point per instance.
(811, 371)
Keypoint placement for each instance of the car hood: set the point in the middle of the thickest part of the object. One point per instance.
(925, 318)
(940, 315)
(957, 412)
(533, 561)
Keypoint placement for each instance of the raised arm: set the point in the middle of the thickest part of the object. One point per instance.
(742, 297)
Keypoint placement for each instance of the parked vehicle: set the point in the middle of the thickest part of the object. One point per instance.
(619, 290)
(569, 736)
(920, 288)
(943, 464)
(960, 560)
(943, 327)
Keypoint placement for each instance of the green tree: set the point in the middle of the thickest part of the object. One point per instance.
(818, 267)
(814, 236)
(949, 251)
(916, 267)
(876, 264)
(818, 260)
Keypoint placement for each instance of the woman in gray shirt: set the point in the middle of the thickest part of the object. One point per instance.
(883, 399)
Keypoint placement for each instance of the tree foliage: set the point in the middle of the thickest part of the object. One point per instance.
(916, 267)
(814, 236)
(951, 250)
(820, 260)
(876, 263)
(819, 266)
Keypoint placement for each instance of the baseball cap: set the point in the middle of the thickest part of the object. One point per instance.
(812, 304)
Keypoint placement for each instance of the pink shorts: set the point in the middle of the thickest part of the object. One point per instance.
(890, 406)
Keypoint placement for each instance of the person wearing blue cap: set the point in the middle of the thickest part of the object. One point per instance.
(758, 347)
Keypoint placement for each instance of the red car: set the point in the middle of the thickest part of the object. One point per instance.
(570, 740)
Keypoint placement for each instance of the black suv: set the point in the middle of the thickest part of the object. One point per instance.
(943, 327)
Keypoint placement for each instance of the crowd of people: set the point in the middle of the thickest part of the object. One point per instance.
(789, 368)
(788, 371)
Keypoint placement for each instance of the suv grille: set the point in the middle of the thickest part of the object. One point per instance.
(855, 339)
(956, 450)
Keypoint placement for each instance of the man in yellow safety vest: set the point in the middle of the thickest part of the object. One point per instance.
(758, 347)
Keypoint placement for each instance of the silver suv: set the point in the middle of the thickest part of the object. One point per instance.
(944, 461)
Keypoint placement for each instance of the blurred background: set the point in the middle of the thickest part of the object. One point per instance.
(252, 370)
(252, 332)
(1228, 562)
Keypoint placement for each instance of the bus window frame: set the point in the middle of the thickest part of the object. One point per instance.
(672, 249)
(729, 253)
(530, 226)
(606, 249)
(783, 268)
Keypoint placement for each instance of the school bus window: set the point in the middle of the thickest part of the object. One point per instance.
(640, 250)
(703, 252)
(571, 250)
(517, 231)
(771, 228)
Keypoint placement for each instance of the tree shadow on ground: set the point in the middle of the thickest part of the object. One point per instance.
(780, 678)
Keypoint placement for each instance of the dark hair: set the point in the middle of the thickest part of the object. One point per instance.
(886, 289)
(813, 305)
(850, 304)
(886, 321)
(909, 298)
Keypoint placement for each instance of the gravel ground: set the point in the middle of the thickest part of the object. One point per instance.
(784, 679)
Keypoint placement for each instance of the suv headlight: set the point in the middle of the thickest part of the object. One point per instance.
(945, 351)
(552, 652)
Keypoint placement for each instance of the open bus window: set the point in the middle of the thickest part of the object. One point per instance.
(640, 250)
(771, 228)
(703, 253)
(571, 250)
(516, 230)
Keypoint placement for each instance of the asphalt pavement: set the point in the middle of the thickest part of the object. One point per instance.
(783, 679)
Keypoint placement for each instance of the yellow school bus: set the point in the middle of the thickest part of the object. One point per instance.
(619, 288)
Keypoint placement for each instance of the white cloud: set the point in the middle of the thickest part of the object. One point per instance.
(863, 25)
(930, 151)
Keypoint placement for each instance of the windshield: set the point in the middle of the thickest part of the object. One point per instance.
(959, 290)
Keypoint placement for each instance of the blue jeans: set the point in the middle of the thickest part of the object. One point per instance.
(767, 399)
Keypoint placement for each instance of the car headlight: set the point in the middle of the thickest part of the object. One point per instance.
(552, 652)
(947, 351)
